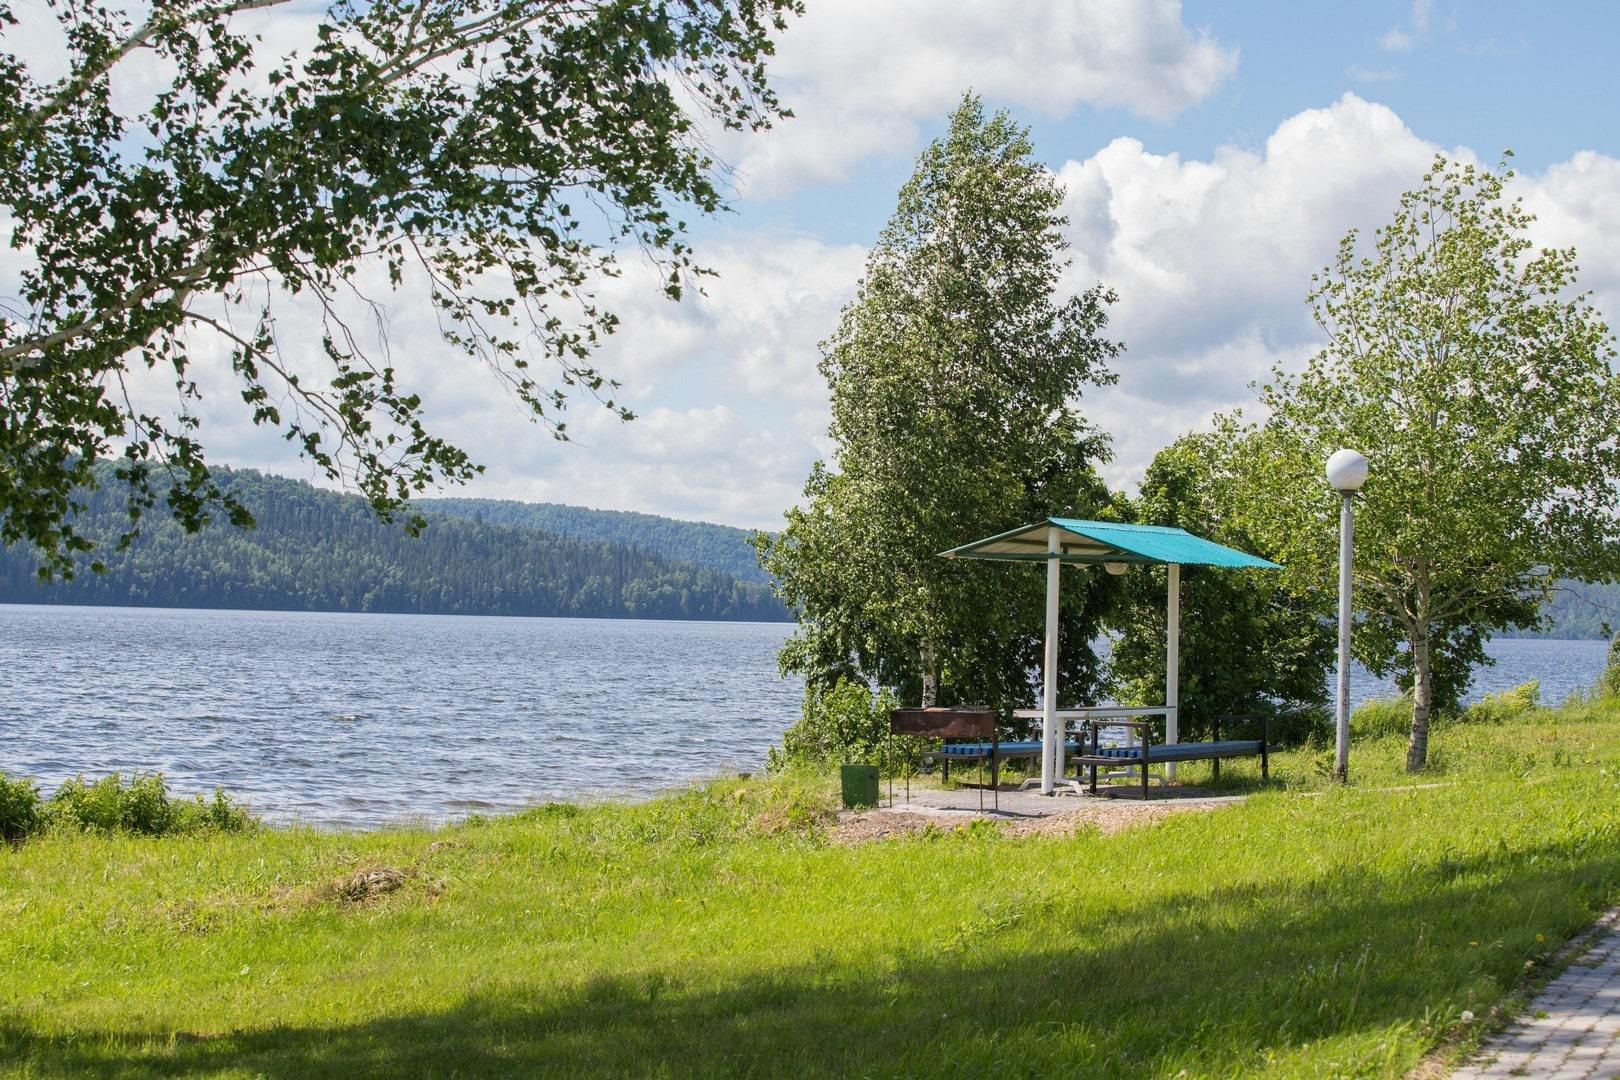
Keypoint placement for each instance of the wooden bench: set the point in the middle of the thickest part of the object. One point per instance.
(1145, 753)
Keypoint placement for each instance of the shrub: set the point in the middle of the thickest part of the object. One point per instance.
(1381, 717)
(20, 811)
(107, 805)
(142, 806)
(220, 814)
(1289, 725)
(845, 722)
(1608, 684)
(1498, 708)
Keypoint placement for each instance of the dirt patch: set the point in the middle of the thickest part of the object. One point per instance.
(1107, 817)
(859, 826)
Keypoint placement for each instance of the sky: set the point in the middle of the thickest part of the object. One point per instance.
(1213, 154)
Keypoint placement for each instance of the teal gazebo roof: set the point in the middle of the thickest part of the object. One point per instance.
(1084, 542)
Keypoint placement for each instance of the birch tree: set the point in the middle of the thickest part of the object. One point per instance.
(493, 156)
(1479, 382)
(954, 379)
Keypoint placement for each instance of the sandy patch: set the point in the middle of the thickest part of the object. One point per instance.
(1106, 816)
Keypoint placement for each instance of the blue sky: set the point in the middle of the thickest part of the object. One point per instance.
(1214, 152)
(1540, 79)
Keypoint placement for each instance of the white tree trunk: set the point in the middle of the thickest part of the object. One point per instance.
(930, 675)
(1417, 747)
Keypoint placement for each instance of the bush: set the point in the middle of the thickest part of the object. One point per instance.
(219, 814)
(1608, 684)
(1381, 717)
(1289, 725)
(845, 722)
(1513, 704)
(143, 806)
(108, 805)
(20, 811)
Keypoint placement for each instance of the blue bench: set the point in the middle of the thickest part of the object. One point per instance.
(975, 750)
(1145, 753)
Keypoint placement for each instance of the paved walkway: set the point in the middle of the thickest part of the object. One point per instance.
(1571, 1031)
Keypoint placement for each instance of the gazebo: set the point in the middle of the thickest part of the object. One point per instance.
(1116, 547)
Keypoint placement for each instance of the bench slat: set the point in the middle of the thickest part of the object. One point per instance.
(1183, 751)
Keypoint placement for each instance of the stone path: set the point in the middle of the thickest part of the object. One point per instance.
(1572, 1029)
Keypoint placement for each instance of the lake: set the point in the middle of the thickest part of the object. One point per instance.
(343, 719)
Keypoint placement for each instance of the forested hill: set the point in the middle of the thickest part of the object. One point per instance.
(720, 547)
(1580, 610)
(316, 550)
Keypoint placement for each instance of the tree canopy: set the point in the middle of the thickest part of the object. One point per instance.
(492, 156)
(1248, 644)
(1463, 362)
(954, 377)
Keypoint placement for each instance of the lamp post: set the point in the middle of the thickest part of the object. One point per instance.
(1346, 471)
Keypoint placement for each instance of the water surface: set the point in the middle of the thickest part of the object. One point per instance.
(359, 719)
(364, 719)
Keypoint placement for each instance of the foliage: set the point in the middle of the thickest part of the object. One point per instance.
(1337, 935)
(314, 550)
(1378, 718)
(719, 547)
(1505, 705)
(483, 159)
(1608, 683)
(1248, 645)
(20, 809)
(844, 722)
(142, 806)
(953, 377)
(1480, 386)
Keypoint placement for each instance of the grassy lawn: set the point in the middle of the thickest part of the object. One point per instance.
(1330, 934)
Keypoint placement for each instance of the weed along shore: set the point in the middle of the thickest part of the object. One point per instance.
(727, 930)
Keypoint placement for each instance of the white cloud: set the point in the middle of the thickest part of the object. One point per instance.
(1372, 75)
(1396, 40)
(1212, 259)
(863, 77)
(730, 407)
(1404, 38)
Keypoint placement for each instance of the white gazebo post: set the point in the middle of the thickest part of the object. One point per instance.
(1346, 471)
(1172, 662)
(1049, 749)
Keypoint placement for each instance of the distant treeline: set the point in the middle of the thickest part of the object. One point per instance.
(315, 550)
(721, 547)
(1582, 610)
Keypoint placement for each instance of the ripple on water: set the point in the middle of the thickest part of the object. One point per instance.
(358, 720)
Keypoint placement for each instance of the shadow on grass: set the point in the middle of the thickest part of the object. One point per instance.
(1216, 981)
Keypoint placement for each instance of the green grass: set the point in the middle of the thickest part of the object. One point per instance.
(1339, 933)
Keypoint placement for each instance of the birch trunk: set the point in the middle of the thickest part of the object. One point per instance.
(1417, 747)
(930, 679)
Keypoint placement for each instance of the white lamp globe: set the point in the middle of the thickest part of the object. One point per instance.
(1346, 470)
(1115, 568)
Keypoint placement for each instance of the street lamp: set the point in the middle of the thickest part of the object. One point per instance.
(1346, 471)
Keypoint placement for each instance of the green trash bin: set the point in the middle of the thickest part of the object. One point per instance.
(860, 785)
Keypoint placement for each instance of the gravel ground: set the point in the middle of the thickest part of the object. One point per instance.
(1105, 815)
